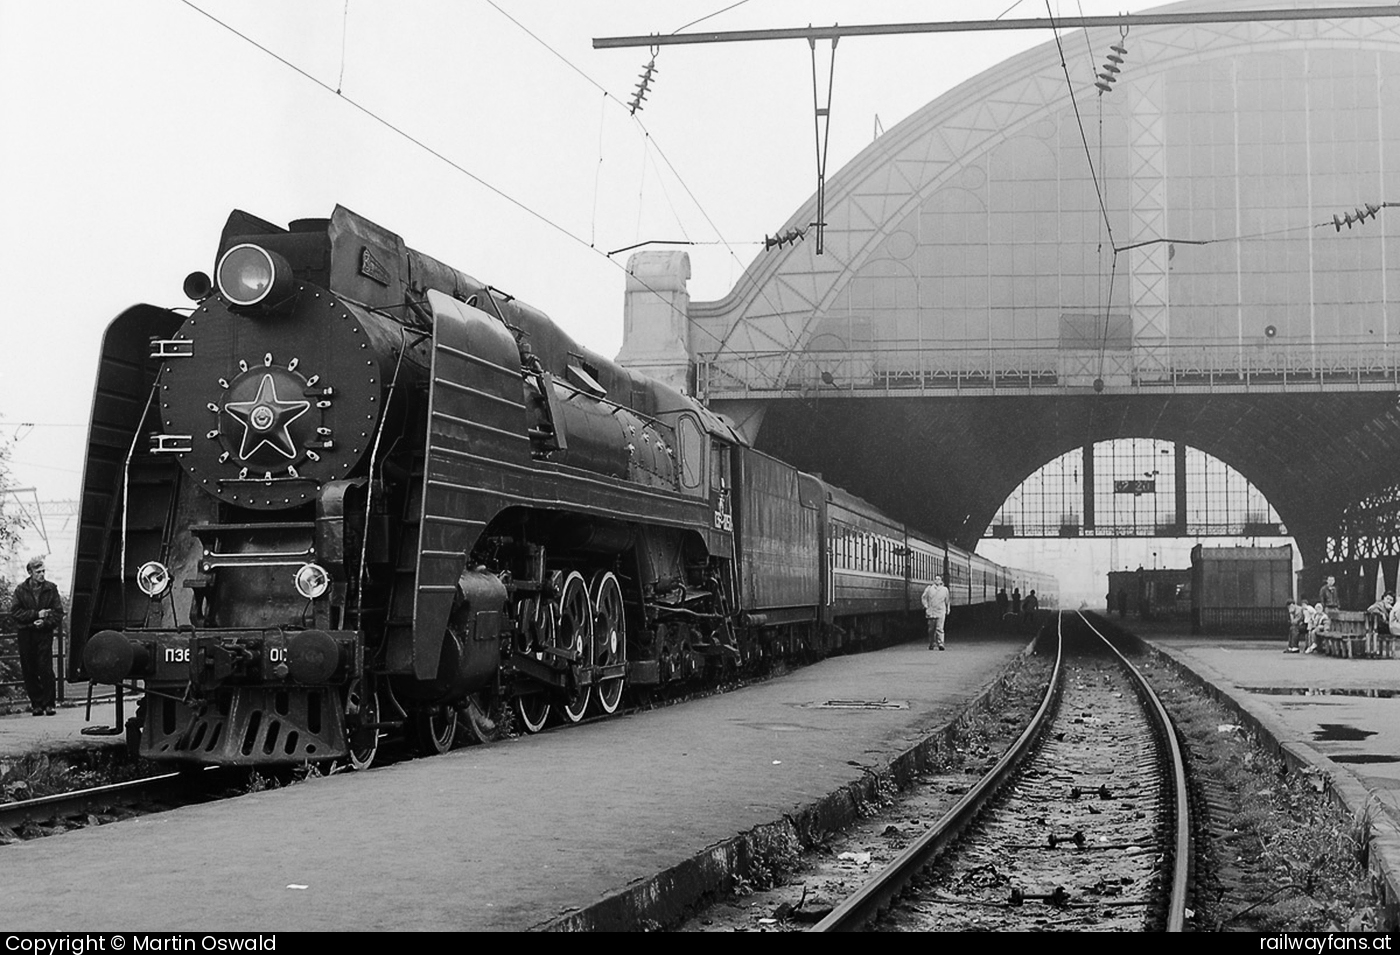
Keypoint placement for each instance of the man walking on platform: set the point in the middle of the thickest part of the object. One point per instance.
(936, 604)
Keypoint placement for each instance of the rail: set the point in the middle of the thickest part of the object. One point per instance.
(911, 368)
(1181, 847)
(175, 787)
(876, 896)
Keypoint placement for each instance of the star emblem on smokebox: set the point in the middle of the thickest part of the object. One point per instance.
(266, 420)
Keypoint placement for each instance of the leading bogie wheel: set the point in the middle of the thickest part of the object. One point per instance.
(361, 716)
(434, 729)
(609, 639)
(484, 718)
(574, 632)
(532, 710)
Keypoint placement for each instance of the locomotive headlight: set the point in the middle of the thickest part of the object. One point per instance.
(153, 578)
(251, 275)
(312, 581)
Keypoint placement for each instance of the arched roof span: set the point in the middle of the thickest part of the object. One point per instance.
(779, 301)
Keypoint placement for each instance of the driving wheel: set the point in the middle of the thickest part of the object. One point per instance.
(574, 633)
(609, 639)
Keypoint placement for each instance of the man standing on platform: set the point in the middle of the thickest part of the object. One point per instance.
(936, 601)
(1328, 597)
(36, 611)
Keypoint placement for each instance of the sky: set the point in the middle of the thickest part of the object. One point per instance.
(133, 127)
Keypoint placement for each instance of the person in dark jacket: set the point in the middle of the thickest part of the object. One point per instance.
(1328, 595)
(37, 611)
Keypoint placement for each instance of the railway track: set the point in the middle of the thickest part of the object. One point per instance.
(34, 818)
(1104, 777)
(151, 793)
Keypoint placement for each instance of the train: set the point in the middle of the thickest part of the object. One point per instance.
(352, 492)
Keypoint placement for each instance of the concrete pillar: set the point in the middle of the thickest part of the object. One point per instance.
(1180, 453)
(1088, 487)
(655, 323)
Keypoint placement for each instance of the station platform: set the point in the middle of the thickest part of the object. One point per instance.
(608, 824)
(1338, 717)
(601, 825)
(22, 734)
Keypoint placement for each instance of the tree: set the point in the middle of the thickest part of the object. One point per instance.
(11, 523)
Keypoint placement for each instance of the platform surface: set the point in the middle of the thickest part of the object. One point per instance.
(1336, 716)
(500, 837)
(1346, 710)
(21, 733)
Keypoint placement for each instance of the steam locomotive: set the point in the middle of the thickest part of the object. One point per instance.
(356, 490)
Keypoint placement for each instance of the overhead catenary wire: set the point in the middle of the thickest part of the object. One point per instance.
(651, 140)
(1361, 214)
(1088, 44)
(640, 124)
(437, 154)
(598, 172)
(387, 124)
(670, 203)
(344, 29)
(1098, 192)
(1079, 120)
(707, 16)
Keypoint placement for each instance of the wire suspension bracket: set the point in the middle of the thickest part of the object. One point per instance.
(821, 122)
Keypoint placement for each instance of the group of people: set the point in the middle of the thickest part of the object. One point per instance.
(37, 612)
(938, 601)
(1015, 606)
(1307, 623)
